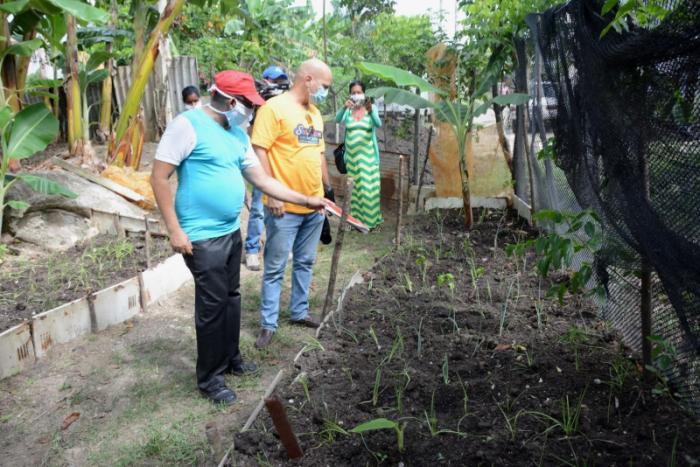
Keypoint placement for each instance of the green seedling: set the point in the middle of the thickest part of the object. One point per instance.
(663, 354)
(396, 347)
(465, 400)
(305, 385)
(376, 387)
(432, 421)
(511, 420)
(331, 430)
(399, 390)
(408, 283)
(374, 337)
(620, 369)
(419, 342)
(312, 345)
(383, 424)
(422, 263)
(504, 310)
(570, 416)
(348, 333)
(574, 338)
(448, 280)
(348, 373)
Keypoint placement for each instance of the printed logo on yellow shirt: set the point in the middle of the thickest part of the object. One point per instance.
(307, 135)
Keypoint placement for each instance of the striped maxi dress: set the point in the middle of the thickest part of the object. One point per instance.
(363, 167)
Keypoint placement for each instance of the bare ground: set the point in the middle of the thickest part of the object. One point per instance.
(133, 385)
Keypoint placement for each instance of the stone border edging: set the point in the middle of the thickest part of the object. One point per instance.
(22, 345)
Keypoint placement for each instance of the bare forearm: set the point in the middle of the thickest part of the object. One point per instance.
(264, 161)
(164, 199)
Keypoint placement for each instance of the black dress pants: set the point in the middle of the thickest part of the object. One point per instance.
(215, 264)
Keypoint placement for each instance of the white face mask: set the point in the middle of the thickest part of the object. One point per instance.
(196, 105)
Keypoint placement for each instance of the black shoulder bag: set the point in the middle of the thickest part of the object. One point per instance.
(339, 154)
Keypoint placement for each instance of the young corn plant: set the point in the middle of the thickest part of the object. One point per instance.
(448, 280)
(422, 263)
(476, 272)
(384, 424)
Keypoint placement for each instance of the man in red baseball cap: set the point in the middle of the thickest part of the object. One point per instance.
(212, 154)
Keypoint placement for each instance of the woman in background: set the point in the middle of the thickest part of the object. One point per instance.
(361, 120)
(190, 97)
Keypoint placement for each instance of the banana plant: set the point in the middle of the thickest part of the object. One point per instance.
(126, 141)
(22, 135)
(459, 113)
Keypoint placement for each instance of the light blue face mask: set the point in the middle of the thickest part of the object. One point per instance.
(239, 115)
(320, 95)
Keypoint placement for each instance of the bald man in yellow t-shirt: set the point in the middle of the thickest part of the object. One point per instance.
(288, 139)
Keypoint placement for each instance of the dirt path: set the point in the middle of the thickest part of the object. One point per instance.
(133, 385)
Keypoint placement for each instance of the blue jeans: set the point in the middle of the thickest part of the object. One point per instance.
(255, 223)
(299, 233)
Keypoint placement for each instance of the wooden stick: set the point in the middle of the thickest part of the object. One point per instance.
(284, 429)
(148, 242)
(121, 233)
(399, 220)
(338, 247)
(425, 165)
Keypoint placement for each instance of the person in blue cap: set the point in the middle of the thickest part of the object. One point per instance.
(275, 82)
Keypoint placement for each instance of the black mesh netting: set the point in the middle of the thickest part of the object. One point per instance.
(625, 115)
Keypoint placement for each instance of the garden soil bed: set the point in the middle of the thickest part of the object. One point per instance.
(32, 286)
(495, 374)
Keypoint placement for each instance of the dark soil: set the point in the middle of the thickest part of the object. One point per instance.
(473, 374)
(29, 287)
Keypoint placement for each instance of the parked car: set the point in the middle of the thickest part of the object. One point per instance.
(547, 102)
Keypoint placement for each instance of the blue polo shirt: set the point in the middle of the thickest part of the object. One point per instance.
(209, 161)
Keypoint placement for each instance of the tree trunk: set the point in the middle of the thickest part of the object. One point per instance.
(503, 141)
(129, 114)
(105, 126)
(23, 67)
(466, 156)
(72, 85)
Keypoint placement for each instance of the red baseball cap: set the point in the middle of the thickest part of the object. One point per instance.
(236, 83)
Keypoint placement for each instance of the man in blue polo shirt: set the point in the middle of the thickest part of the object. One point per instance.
(212, 154)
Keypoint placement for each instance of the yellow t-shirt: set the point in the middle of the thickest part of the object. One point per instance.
(293, 138)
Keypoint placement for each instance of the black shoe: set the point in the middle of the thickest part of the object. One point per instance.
(221, 395)
(243, 368)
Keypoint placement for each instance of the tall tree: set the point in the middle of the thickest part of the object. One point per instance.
(363, 10)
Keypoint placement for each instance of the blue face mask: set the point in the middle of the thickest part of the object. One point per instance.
(239, 115)
(320, 95)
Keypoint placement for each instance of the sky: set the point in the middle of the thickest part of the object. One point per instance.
(408, 8)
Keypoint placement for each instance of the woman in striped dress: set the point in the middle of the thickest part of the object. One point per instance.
(361, 120)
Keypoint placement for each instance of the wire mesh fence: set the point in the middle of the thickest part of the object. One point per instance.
(622, 113)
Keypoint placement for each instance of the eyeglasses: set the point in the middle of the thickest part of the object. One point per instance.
(245, 101)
